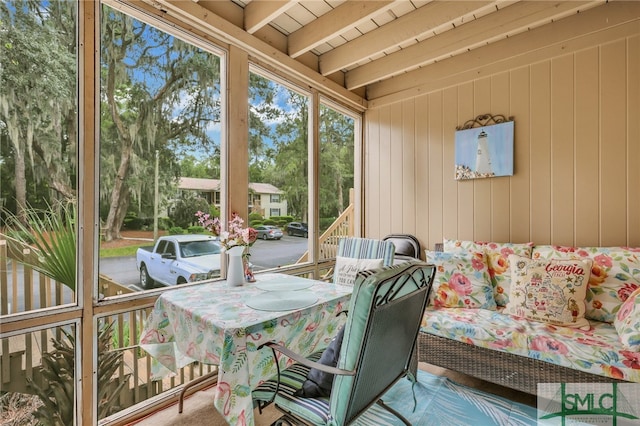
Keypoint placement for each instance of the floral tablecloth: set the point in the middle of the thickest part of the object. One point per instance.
(212, 323)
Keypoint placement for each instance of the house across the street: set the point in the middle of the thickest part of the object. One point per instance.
(263, 198)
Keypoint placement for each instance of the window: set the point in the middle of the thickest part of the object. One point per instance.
(57, 346)
(254, 198)
(38, 171)
(278, 159)
(337, 131)
(160, 118)
(168, 248)
(161, 108)
(160, 143)
(38, 153)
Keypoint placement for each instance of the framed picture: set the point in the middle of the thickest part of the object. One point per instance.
(485, 151)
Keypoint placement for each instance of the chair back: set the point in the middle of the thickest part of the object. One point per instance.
(406, 245)
(385, 313)
(365, 248)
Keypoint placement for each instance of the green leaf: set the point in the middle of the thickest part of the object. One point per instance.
(51, 234)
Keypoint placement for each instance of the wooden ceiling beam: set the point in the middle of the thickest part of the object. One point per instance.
(259, 13)
(610, 21)
(515, 18)
(348, 15)
(413, 25)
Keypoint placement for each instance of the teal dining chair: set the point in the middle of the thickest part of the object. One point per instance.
(385, 311)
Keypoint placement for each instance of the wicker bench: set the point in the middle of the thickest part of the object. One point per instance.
(496, 366)
(510, 370)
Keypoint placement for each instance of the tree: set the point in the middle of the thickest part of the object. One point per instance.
(279, 147)
(278, 141)
(291, 159)
(262, 111)
(39, 111)
(207, 168)
(160, 94)
(336, 161)
(185, 209)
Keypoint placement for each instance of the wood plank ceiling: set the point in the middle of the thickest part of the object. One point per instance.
(359, 43)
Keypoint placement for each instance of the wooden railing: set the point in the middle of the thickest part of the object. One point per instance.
(342, 227)
(24, 289)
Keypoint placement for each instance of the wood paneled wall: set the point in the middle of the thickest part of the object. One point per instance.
(577, 155)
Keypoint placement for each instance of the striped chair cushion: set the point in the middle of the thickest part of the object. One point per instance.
(291, 379)
(363, 248)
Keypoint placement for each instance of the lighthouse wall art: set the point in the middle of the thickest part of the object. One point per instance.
(483, 152)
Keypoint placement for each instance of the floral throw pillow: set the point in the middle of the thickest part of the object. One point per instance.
(627, 322)
(497, 261)
(615, 274)
(461, 281)
(551, 291)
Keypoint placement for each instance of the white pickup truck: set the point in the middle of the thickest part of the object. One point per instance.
(179, 259)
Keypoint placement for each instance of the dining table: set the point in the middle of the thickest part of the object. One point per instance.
(213, 323)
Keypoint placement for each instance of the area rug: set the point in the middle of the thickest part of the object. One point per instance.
(442, 402)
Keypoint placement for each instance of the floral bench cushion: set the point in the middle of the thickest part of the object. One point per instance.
(597, 351)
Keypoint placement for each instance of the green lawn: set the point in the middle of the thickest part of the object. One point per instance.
(121, 251)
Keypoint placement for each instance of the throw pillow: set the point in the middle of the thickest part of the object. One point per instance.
(497, 261)
(348, 267)
(627, 321)
(613, 277)
(319, 382)
(551, 291)
(461, 281)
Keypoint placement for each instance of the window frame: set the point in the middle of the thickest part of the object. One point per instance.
(85, 313)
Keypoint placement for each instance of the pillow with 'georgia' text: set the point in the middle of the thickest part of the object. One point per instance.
(551, 291)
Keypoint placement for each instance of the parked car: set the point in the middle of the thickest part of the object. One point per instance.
(268, 232)
(298, 228)
(179, 259)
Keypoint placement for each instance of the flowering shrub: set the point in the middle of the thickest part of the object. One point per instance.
(235, 235)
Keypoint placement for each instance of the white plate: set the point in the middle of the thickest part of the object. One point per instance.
(282, 300)
(283, 286)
